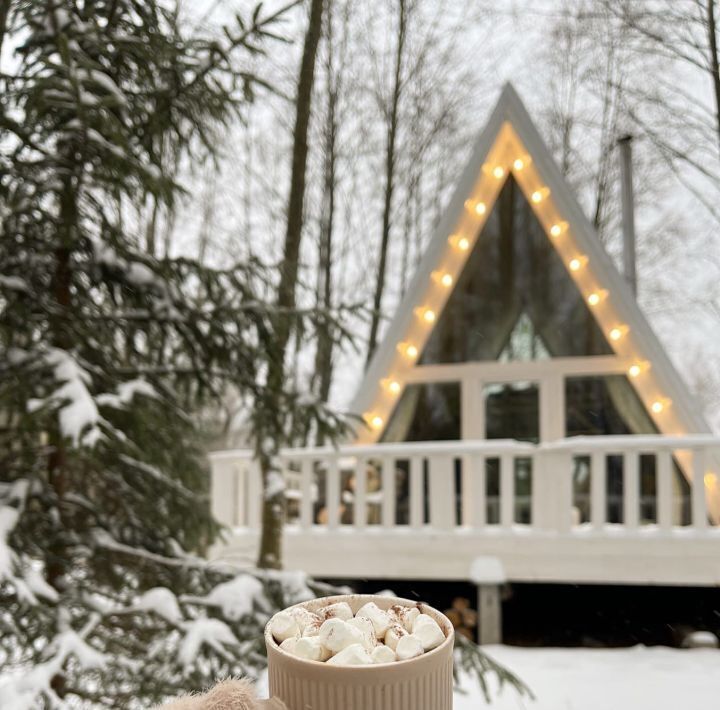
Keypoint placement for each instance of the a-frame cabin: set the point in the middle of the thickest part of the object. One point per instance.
(520, 406)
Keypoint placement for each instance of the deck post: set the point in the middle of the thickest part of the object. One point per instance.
(489, 576)
(224, 481)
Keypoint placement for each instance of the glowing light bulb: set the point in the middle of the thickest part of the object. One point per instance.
(446, 280)
(429, 316)
(556, 230)
(480, 208)
(463, 243)
(519, 164)
(498, 171)
(617, 333)
(376, 422)
(411, 351)
(394, 386)
(593, 299)
(634, 370)
(657, 406)
(575, 264)
(537, 196)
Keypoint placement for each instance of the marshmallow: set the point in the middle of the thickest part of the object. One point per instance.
(422, 619)
(429, 634)
(310, 648)
(353, 655)
(289, 645)
(304, 618)
(409, 647)
(341, 610)
(380, 619)
(366, 629)
(383, 654)
(312, 629)
(405, 615)
(336, 634)
(394, 634)
(283, 626)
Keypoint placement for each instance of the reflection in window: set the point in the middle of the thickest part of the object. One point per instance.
(604, 405)
(514, 299)
(426, 412)
(512, 411)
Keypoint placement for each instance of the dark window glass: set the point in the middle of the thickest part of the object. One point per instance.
(514, 299)
(512, 411)
(604, 405)
(426, 412)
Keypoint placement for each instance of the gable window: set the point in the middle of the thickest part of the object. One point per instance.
(514, 299)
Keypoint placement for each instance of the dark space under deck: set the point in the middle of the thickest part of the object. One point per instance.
(577, 615)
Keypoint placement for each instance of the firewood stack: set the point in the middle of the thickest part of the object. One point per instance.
(463, 618)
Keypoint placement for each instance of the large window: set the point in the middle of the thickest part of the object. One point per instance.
(514, 299)
(426, 412)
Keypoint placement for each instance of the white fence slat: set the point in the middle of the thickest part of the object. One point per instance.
(507, 490)
(699, 496)
(664, 490)
(631, 489)
(563, 474)
(417, 493)
(442, 492)
(473, 491)
(388, 492)
(332, 492)
(306, 494)
(598, 489)
(360, 506)
(254, 495)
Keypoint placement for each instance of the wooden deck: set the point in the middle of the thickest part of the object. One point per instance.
(612, 510)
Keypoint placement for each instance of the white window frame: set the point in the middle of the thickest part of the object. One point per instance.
(549, 375)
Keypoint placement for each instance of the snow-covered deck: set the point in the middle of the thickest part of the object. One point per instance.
(576, 510)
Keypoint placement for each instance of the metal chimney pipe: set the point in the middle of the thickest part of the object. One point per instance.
(628, 211)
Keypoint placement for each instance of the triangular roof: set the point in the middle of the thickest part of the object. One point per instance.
(510, 142)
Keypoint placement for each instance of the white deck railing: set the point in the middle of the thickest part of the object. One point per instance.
(473, 484)
(613, 487)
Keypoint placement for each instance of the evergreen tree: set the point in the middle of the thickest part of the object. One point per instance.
(107, 354)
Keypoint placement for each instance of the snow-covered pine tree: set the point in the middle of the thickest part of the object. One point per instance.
(107, 352)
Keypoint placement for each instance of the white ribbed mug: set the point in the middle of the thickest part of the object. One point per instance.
(421, 683)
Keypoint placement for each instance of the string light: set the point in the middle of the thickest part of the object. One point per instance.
(536, 197)
(498, 171)
(595, 297)
(519, 164)
(394, 386)
(411, 351)
(658, 406)
(376, 422)
(446, 280)
(577, 263)
(617, 332)
(634, 370)
(557, 229)
(428, 316)
(463, 243)
(480, 208)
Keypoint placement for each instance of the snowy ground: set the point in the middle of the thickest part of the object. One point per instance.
(637, 678)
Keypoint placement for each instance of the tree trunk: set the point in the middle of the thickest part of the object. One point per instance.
(324, 352)
(4, 12)
(390, 160)
(714, 61)
(273, 506)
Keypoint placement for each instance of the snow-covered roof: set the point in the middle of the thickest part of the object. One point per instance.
(510, 143)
